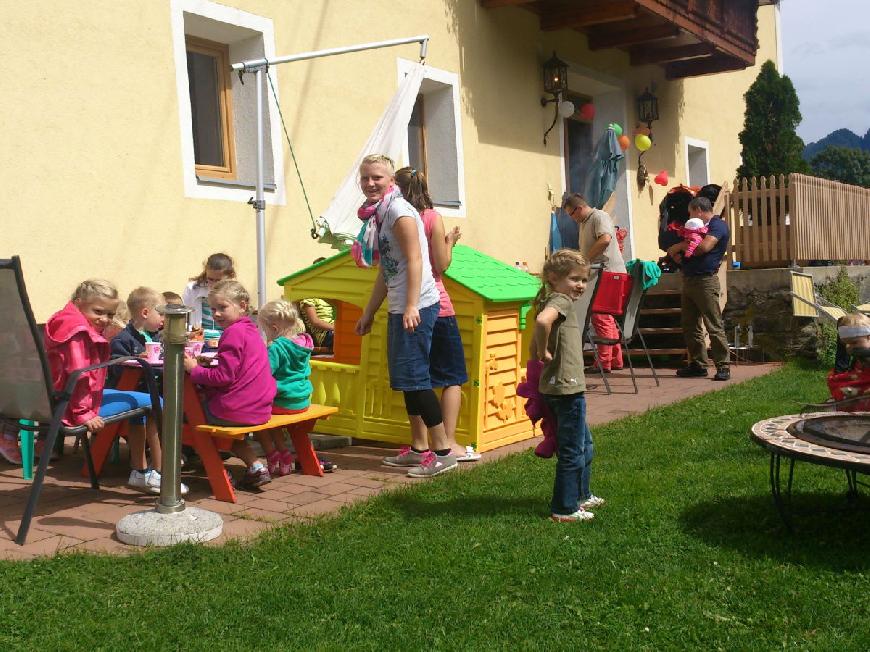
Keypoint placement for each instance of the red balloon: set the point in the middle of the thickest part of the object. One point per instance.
(624, 142)
(662, 178)
(587, 111)
(642, 131)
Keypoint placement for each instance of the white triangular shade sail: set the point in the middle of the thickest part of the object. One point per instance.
(338, 224)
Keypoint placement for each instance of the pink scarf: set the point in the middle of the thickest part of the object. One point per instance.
(365, 248)
(365, 211)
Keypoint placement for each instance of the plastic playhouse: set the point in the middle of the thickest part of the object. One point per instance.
(492, 301)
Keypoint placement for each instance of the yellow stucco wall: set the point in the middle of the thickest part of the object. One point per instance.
(91, 154)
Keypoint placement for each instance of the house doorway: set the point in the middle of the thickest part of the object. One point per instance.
(580, 137)
(578, 145)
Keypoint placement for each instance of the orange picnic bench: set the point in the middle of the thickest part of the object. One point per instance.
(208, 440)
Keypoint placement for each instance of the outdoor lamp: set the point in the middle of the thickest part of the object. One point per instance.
(556, 83)
(647, 108)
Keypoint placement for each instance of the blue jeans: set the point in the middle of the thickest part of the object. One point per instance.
(574, 450)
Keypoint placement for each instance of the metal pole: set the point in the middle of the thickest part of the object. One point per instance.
(249, 66)
(258, 66)
(174, 339)
(260, 202)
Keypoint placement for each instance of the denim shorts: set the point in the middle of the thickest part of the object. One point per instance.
(115, 401)
(408, 353)
(447, 357)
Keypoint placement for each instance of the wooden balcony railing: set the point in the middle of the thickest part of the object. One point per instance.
(781, 221)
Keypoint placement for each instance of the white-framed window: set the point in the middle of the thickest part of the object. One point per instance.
(217, 112)
(435, 139)
(697, 162)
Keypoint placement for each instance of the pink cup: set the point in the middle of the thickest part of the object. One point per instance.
(152, 351)
(194, 348)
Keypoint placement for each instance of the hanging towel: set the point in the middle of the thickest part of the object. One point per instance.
(651, 271)
(338, 224)
(555, 236)
(602, 176)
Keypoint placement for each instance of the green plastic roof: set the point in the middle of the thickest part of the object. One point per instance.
(484, 275)
(305, 270)
(490, 278)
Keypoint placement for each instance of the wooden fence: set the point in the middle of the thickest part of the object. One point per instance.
(779, 221)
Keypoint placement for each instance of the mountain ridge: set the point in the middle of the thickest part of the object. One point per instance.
(838, 138)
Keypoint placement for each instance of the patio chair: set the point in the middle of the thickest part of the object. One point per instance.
(26, 392)
(630, 289)
(806, 302)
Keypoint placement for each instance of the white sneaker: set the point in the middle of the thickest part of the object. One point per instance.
(149, 481)
(579, 515)
(592, 502)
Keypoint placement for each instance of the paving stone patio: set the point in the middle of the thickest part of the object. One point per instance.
(72, 517)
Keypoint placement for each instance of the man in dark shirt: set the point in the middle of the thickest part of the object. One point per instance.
(700, 297)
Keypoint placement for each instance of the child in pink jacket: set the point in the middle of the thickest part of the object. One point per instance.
(239, 388)
(692, 232)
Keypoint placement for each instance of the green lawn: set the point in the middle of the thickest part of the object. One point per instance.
(688, 553)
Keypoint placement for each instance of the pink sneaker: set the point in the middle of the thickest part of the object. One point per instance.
(286, 463)
(273, 463)
(9, 450)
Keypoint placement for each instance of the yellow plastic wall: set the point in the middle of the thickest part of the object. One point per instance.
(491, 414)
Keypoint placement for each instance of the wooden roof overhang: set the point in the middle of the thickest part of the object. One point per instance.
(687, 38)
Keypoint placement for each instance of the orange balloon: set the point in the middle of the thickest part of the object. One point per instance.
(624, 142)
(642, 131)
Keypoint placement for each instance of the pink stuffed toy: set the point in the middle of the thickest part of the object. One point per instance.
(537, 408)
(693, 232)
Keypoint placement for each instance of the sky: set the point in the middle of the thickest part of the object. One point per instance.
(826, 48)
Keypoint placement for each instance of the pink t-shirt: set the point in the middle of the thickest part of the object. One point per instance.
(428, 216)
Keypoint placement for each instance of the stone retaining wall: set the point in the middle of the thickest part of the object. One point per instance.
(762, 297)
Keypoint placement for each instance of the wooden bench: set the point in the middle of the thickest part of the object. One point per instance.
(208, 440)
(221, 437)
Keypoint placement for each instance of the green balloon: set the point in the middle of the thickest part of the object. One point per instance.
(616, 128)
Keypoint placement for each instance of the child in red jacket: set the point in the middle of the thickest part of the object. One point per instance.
(854, 332)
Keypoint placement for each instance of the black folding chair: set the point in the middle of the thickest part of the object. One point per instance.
(626, 324)
(26, 391)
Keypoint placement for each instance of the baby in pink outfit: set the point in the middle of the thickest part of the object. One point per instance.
(692, 232)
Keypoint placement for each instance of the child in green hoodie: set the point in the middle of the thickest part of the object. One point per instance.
(289, 358)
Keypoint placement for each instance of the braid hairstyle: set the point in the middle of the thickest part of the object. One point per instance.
(282, 314)
(559, 264)
(232, 291)
(414, 188)
(93, 288)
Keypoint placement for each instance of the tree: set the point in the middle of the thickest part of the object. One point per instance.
(843, 164)
(770, 143)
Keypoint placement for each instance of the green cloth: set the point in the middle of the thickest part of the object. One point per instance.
(651, 271)
(290, 363)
